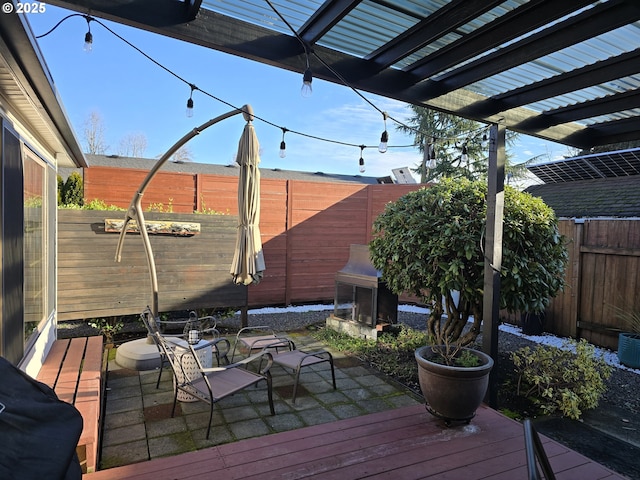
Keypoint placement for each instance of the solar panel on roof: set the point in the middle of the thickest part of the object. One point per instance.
(621, 163)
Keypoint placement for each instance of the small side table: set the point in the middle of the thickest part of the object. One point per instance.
(190, 366)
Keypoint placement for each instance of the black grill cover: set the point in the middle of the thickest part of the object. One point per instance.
(38, 432)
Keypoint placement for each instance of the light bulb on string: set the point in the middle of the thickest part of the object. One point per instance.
(361, 161)
(432, 154)
(189, 111)
(384, 138)
(88, 37)
(307, 78)
(283, 146)
(465, 154)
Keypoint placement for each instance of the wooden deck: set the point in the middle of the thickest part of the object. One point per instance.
(406, 443)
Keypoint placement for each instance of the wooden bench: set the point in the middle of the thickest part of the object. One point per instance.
(73, 369)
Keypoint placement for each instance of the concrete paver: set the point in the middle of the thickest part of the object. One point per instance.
(138, 424)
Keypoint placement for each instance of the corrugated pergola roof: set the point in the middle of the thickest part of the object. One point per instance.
(567, 71)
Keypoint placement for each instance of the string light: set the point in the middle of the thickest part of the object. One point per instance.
(307, 78)
(384, 138)
(189, 110)
(283, 146)
(465, 155)
(88, 37)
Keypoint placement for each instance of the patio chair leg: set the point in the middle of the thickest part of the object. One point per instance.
(175, 400)
(295, 384)
(210, 419)
(270, 393)
(333, 372)
(159, 376)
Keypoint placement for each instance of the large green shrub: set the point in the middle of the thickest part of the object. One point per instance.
(73, 190)
(429, 243)
(568, 380)
(60, 181)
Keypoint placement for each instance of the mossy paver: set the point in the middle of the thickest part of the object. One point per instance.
(138, 423)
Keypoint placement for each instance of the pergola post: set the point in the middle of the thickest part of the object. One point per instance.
(493, 254)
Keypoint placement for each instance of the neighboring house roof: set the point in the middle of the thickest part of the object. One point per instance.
(27, 87)
(227, 170)
(607, 197)
(595, 185)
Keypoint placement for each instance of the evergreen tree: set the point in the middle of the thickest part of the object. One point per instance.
(452, 146)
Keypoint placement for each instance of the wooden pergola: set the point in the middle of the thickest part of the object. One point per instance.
(564, 71)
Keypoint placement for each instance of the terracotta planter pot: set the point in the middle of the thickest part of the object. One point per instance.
(453, 393)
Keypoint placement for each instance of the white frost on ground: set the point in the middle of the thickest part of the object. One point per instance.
(609, 356)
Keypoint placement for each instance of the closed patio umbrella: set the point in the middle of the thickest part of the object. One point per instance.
(248, 261)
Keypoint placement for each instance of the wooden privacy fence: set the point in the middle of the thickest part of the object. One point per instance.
(307, 229)
(193, 271)
(603, 273)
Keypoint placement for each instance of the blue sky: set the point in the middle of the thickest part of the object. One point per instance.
(133, 95)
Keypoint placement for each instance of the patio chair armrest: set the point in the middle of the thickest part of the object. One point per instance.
(317, 353)
(258, 356)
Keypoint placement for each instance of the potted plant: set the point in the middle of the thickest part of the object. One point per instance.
(629, 341)
(532, 323)
(453, 379)
(429, 243)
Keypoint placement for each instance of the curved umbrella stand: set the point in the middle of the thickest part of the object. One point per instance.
(135, 211)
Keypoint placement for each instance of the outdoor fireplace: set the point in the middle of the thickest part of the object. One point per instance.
(360, 294)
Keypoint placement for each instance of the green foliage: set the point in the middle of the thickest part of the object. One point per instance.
(450, 163)
(467, 359)
(160, 207)
(343, 342)
(94, 204)
(97, 204)
(569, 380)
(204, 210)
(107, 327)
(60, 181)
(392, 354)
(629, 316)
(72, 190)
(429, 243)
(219, 312)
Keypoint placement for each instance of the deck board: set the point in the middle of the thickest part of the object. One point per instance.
(405, 443)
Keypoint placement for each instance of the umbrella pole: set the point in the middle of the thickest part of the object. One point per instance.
(135, 211)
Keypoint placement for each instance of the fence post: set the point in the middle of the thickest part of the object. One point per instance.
(576, 277)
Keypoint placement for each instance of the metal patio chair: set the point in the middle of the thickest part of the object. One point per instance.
(205, 326)
(211, 385)
(257, 338)
(294, 359)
